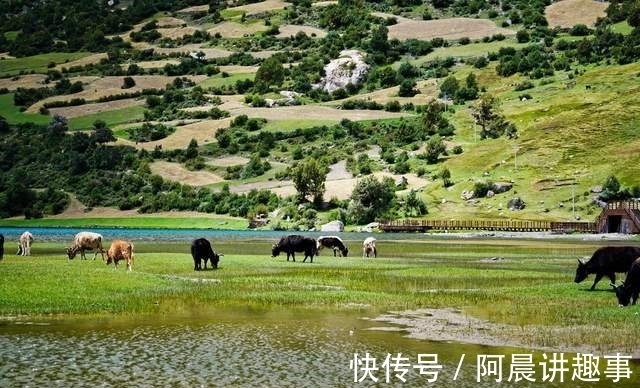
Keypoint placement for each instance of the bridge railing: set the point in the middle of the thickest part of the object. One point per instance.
(489, 225)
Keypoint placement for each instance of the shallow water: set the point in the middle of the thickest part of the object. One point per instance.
(254, 348)
(243, 349)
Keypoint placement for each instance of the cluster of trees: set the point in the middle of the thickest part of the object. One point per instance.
(68, 25)
(40, 165)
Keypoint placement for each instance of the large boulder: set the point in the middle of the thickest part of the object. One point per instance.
(349, 68)
(333, 226)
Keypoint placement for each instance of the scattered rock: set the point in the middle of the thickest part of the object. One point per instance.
(333, 226)
(516, 204)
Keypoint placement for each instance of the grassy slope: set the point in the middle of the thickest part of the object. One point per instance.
(570, 140)
(578, 134)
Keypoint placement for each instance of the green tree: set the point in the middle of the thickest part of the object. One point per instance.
(270, 73)
(192, 149)
(449, 87)
(413, 205)
(309, 177)
(434, 147)
(101, 133)
(371, 199)
(445, 175)
(128, 82)
(485, 111)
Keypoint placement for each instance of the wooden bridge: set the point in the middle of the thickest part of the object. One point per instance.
(616, 217)
(489, 225)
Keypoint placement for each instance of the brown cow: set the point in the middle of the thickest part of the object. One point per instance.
(120, 250)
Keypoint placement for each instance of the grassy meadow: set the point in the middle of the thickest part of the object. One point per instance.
(526, 284)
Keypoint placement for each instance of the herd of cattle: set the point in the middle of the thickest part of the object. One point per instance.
(605, 261)
(201, 249)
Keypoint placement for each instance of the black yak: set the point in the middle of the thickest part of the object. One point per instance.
(295, 243)
(201, 250)
(606, 261)
(630, 289)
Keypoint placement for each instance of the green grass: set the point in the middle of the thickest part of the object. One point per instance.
(139, 221)
(531, 289)
(11, 35)
(219, 81)
(13, 115)
(111, 117)
(37, 63)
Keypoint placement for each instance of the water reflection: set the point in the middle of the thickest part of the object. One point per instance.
(248, 349)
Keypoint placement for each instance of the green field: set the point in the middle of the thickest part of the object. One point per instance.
(139, 221)
(12, 114)
(37, 63)
(527, 285)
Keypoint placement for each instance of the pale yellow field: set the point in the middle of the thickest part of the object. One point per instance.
(567, 13)
(289, 30)
(96, 87)
(176, 172)
(453, 28)
(263, 6)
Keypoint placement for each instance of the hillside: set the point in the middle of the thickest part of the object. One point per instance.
(575, 124)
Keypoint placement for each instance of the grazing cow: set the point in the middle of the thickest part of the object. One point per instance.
(26, 239)
(333, 242)
(201, 250)
(295, 243)
(369, 247)
(630, 289)
(120, 250)
(1, 246)
(606, 261)
(86, 241)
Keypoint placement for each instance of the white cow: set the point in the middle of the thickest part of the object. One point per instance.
(369, 247)
(86, 241)
(26, 239)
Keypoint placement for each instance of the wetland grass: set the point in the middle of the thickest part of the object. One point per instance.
(530, 287)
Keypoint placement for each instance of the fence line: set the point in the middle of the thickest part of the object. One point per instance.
(490, 225)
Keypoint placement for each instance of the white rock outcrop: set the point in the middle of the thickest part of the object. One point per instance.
(349, 68)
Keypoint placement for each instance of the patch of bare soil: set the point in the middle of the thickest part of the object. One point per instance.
(339, 184)
(452, 28)
(177, 32)
(90, 59)
(428, 90)
(77, 210)
(453, 325)
(235, 108)
(228, 161)
(194, 9)
(23, 81)
(176, 172)
(188, 48)
(230, 29)
(261, 7)
(97, 87)
(157, 64)
(289, 30)
(237, 69)
(202, 131)
(568, 13)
